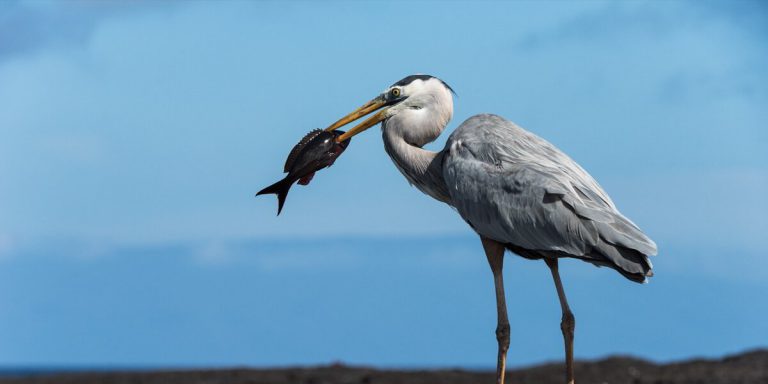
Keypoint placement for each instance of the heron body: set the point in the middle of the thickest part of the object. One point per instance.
(516, 190)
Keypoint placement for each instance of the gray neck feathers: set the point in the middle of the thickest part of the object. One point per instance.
(422, 168)
(416, 121)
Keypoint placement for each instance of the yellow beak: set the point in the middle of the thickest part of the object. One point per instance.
(367, 108)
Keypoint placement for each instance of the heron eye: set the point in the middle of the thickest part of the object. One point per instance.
(395, 92)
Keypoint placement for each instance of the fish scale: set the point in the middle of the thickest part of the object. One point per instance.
(318, 149)
(298, 147)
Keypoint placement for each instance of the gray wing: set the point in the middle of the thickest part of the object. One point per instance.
(516, 188)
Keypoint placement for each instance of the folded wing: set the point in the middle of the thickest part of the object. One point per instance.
(514, 187)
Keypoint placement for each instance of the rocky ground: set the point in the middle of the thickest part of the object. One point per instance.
(746, 368)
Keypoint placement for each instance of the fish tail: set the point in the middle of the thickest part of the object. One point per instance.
(280, 189)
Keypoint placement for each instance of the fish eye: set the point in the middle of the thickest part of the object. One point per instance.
(395, 92)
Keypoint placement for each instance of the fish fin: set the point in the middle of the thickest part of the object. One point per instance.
(280, 189)
(306, 179)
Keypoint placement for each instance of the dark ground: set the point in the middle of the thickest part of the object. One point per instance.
(749, 367)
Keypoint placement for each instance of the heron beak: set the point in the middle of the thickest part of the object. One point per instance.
(366, 109)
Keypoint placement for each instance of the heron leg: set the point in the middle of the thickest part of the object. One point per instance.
(495, 253)
(568, 322)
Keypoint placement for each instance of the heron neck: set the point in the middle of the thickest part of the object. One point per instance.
(422, 168)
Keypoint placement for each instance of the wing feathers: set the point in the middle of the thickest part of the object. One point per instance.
(516, 188)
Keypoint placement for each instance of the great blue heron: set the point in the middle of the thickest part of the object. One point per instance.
(515, 189)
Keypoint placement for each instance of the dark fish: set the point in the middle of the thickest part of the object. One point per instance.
(317, 150)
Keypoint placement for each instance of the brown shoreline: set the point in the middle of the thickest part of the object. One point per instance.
(745, 368)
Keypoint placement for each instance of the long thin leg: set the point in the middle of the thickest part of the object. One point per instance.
(568, 323)
(495, 253)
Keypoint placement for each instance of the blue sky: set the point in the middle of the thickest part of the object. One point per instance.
(134, 136)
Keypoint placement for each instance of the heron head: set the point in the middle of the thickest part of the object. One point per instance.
(423, 100)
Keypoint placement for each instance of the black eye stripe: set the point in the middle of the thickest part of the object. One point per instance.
(409, 79)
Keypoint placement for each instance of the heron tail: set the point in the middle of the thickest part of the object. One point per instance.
(631, 263)
(280, 189)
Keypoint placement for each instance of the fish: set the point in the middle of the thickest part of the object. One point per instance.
(318, 149)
